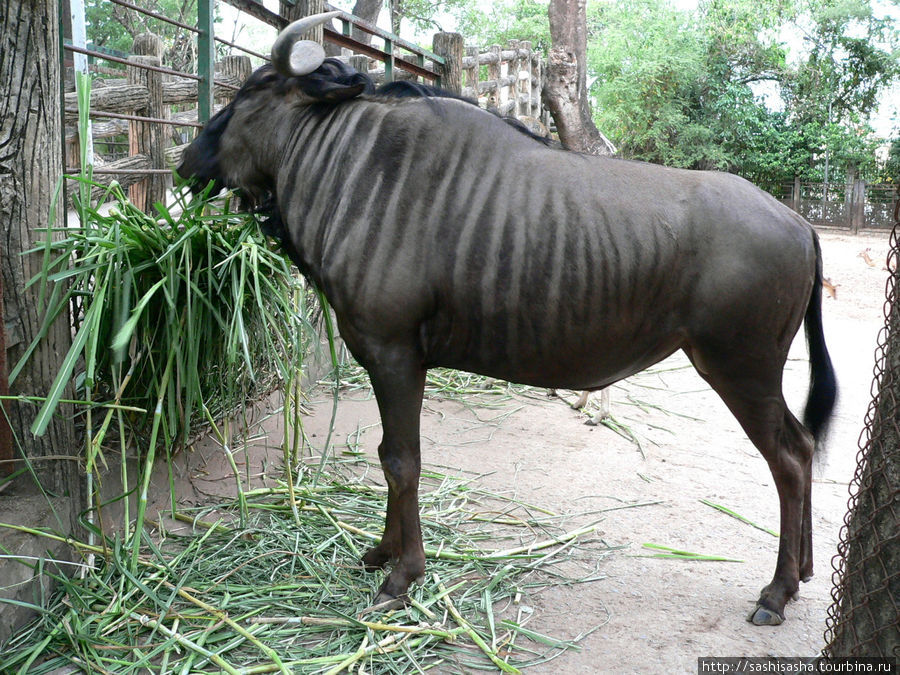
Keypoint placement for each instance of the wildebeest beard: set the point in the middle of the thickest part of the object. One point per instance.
(268, 215)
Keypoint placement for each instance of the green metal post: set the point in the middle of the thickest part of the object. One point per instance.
(206, 59)
(389, 61)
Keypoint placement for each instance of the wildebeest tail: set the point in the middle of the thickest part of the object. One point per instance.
(823, 383)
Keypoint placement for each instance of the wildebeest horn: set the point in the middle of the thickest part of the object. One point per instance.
(293, 56)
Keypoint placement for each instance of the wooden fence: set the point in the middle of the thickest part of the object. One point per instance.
(851, 206)
(513, 82)
(152, 108)
(141, 123)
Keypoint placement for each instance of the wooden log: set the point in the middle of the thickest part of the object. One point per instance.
(512, 74)
(471, 73)
(147, 44)
(506, 108)
(124, 99)
(174, 153)
(190, 116)
(450, 46)
(147, 138)
(493, 95)
(134, 163)
(297, 9)
(126, 180)
(490, 87)
(525, 81)
(490, 57)
(99, 82)
(100, 128)
(185, 91)
(236, 69)
(359, 63)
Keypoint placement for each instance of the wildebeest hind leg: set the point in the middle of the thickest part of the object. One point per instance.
(398, 382)
(752, 391)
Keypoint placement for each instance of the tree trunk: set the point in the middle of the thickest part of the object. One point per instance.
(367, 10)
(301, 8)
(565, 88)
(31, 157)
(397, 10)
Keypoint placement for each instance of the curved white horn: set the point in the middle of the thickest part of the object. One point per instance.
(293, 56)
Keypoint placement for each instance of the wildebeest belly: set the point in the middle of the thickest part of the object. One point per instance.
(572, 345)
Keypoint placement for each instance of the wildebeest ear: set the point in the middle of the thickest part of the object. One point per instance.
(334, 82)
(340, 92)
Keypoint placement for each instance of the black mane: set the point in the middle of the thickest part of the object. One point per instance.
(331, 83)
(335, 81)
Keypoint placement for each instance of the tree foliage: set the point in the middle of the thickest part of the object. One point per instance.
(509, 20)
(114, 27)
(684, 88)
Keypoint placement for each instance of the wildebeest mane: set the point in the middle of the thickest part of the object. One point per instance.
(335, 81)
(329, 85)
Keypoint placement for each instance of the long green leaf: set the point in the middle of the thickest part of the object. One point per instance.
(124, 335)
(45, 414)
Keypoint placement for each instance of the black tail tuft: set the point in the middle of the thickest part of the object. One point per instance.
(823, 383)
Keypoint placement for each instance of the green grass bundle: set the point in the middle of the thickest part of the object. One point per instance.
(179, 317)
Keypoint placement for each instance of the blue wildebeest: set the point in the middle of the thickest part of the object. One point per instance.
(570, 271)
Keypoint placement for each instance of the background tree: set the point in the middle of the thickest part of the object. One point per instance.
(683, 88)
(115, 27)
(508, 20)
(565, 90)
(834, 90)
(367, 10)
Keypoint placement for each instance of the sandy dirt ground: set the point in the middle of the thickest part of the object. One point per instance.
(655, 615)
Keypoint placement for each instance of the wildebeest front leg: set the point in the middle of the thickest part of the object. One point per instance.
(398, 382)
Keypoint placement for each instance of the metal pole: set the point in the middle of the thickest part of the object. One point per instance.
(79, 39)
(206, 59)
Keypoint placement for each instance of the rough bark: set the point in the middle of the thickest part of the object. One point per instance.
(302, 8)
(450, 46)
(148, 138)
(120, 99)
(31, 159)
(367, 10)
(565, 88)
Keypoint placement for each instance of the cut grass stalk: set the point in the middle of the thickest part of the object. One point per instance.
(677, 554)
(472, 633)
(182, 640)
(738, 516)
(224, 586)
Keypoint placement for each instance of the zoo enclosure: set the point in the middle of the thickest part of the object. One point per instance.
(144, 113)
(852, 206)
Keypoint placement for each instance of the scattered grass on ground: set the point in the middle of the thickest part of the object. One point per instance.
(273, 596)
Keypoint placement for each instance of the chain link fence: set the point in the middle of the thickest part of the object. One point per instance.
(864, 618)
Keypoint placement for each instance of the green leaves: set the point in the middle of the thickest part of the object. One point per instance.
(200, 288)
(683, 88)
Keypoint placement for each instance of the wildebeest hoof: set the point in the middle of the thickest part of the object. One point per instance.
(763, 616)
(806, 578)
(375, 560)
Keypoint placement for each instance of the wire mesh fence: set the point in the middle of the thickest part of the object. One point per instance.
(864, 618)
